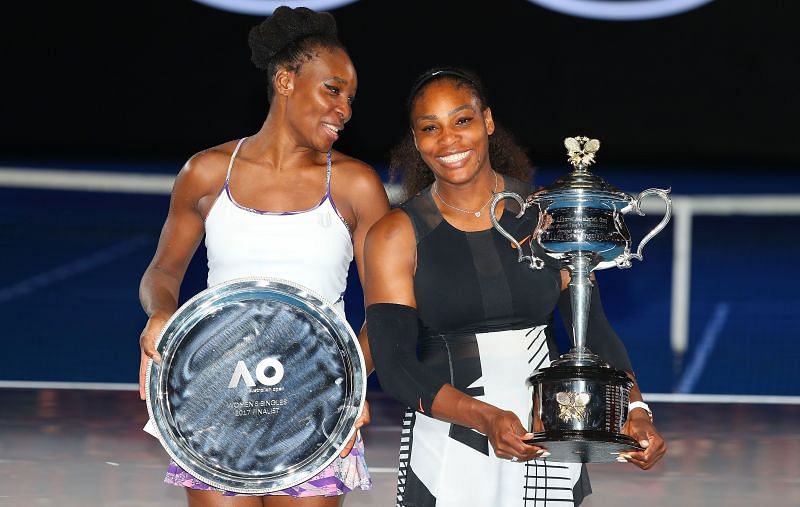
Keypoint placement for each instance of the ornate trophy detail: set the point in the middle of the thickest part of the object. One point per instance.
(572, 406)
(580, 402)
(581, 150)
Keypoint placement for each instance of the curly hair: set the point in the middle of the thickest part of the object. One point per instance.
(289, 38)
(406, 164)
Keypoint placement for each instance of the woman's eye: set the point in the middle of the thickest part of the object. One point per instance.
(351, 99)
(428, 128)
(463, 120)
(333, 89)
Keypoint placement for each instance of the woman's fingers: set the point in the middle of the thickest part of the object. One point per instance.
(142, 375)
(347, 448)
(508, 438)
(147, 342)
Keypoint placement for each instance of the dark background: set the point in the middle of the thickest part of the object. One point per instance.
(155, 81)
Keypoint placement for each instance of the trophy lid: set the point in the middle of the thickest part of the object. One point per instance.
(581, 154)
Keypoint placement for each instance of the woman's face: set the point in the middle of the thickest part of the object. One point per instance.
(321, 97)
(451, 132)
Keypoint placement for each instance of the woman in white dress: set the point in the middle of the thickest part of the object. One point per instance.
(262, 200)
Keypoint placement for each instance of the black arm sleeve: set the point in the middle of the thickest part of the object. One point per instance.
(600, 337)
(393, 330)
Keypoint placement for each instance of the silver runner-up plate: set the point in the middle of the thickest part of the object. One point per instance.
(260, 384)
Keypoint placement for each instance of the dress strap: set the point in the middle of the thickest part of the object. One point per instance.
(328, 175)
(424, 214)
(233, 156)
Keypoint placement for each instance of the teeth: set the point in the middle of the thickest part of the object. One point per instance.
(331, 128)
(451, 159)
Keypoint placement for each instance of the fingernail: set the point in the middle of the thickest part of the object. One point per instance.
(644, 443)
(540, 451)
(621, 459)
(545, 454)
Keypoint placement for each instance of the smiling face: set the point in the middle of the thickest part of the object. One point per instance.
(451, 131)
(319, 97)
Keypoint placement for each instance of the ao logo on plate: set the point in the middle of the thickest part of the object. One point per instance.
(241, 373)
(265, 7)
(621, 10)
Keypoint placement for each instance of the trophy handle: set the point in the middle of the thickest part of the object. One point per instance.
(636, 206)
(535, 262)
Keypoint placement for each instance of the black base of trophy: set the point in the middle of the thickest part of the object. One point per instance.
(579, 411)
(584, 446)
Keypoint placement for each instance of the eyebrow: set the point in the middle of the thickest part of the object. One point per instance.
(449, 113)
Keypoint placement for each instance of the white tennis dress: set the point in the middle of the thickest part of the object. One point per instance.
(312, 247)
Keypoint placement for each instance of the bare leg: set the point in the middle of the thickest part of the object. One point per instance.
(202, 498)
(311, 501)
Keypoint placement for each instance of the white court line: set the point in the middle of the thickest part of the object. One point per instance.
(73, 268)
(654, 397)
(723, 398)
(86, 386)
(704, 348)
(105, 181)
(88, 181)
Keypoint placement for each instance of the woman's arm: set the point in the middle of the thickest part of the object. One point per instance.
(180, 236)
(365, 196)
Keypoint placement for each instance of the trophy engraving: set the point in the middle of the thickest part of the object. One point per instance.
(580, 225)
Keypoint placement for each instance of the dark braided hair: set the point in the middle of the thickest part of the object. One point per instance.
(405, 162)
(289, 38)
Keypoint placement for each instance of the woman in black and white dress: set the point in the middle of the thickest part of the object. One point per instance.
(457, 325)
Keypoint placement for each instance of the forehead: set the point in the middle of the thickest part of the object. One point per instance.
(329, 63)
(443, 95)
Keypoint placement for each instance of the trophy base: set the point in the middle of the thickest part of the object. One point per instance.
(584, 446)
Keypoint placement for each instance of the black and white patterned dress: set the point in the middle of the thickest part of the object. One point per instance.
(484, 327)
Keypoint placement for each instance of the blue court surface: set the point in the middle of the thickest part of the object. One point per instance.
(72, 262)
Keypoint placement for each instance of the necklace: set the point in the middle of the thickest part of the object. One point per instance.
(477, 212)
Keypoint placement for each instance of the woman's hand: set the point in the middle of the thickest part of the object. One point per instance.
(362, 420)
(640, 427)
(507, 437)
(147, 342)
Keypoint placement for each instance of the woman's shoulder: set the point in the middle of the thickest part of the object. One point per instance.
(207, 169)
(353, 174)
(395, 224)
(212, 159)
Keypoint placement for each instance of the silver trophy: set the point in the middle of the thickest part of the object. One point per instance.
(260, 384)
(580, 402)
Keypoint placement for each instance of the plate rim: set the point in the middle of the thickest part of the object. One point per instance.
(359, 373)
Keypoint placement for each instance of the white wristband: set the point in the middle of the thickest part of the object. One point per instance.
(642, 405)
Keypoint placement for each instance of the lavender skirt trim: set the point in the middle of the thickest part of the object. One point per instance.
(338, 478)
